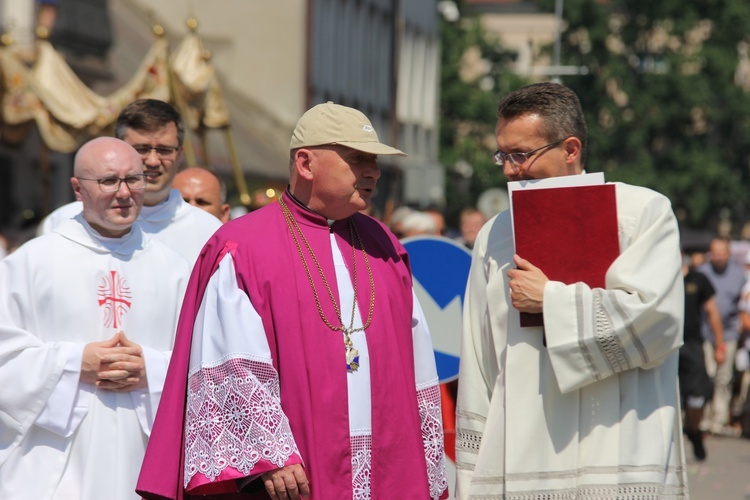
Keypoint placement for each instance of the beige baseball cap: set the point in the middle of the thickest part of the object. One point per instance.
(331, 123)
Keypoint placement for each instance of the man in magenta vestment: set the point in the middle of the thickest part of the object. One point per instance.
(303, 366)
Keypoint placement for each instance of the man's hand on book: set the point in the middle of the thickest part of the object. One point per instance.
(526, 286)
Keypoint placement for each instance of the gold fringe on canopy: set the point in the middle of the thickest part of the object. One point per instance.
(64, 109)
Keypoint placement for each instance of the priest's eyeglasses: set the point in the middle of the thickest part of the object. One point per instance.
(112, 184)
(161, 151)
(518, 159)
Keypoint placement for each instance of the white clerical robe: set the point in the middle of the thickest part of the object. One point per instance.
(174, 222)
(61, 438)
(594, 413)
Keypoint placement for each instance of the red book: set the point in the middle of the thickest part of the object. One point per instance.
(570, 233)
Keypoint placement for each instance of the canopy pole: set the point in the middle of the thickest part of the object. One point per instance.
(237, 168)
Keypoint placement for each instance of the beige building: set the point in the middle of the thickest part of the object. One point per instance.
(522, 28)
(258, 51)
(274, 61)
(277, 59)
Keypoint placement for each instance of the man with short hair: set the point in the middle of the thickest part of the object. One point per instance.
(87, 320)
(728, 279)
(439, 218)
(203, 189)
(696, 387)
(585, 406)
(470, 222)
(156, 130)
(303, 364)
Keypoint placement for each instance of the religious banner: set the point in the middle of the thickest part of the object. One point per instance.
(67, 112)
(63, 108)
(200, 98)
(21, 106)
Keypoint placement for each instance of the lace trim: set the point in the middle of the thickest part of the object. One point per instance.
(361, 466)
(629, 327)
(607, 341)
(430, 414)
(580, 472)
(432, 437)
(234, 419)
(628, 491)
(582, 334)
(467, 440)
(621, 492)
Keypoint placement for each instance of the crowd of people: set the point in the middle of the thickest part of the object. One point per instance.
(90, 308)
(406, 222)
(156, 346)
(714, 367)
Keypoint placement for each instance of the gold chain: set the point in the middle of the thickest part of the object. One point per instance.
(292, 224)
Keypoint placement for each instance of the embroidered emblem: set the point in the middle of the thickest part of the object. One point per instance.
(114, 296)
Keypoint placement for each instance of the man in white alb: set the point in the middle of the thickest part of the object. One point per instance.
(587, 405)
(156, 130)
(87, 320)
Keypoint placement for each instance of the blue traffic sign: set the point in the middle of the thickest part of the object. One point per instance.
(440, 268)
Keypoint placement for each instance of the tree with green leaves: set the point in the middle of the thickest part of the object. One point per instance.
(667, 98)
(467, 111)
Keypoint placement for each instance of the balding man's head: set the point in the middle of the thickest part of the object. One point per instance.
(108, 180)
(720, 253)
(203, 189)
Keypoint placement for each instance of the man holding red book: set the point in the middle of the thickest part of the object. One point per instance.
(585, 405)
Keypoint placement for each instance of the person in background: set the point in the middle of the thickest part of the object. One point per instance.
(203, 189)
(396, 220)
(417, 223)
(439, 219)
(697, 259)
(740, 411)
(696, 387)
(156, 131)
(471, 221)
(728, 280)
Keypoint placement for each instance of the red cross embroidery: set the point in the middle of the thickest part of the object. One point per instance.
(114, 295)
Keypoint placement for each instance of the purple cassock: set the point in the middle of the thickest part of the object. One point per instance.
(203, 445)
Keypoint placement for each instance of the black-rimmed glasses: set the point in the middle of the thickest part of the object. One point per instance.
(161, 151)
(518, 159)
(112, 184)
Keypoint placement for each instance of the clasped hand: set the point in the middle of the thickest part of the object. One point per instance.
(115, 364)
(526, 286)
(289, 482)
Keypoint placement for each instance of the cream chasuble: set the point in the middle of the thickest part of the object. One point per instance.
(594, 413)
(59, 438)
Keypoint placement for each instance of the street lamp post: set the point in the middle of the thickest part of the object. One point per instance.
(558, 36)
